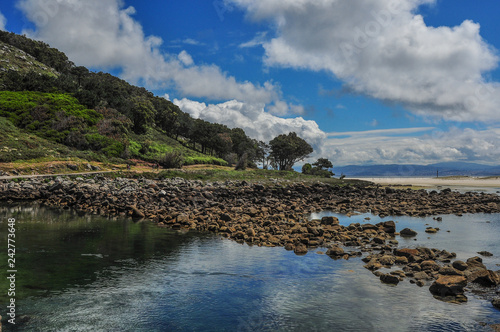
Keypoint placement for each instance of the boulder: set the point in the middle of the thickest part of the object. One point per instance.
(429, 265)
(329, 221)
(300, 249)
(460, 265)
(408, 232)
(389, 279)
(387, 260)
(449, 271)
(496, 303)
(448, 286)
(485, 253)
(406, 252)
(335, 252)
(373, 265)
(484, 277)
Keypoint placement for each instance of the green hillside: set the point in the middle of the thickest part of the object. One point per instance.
(57, 106)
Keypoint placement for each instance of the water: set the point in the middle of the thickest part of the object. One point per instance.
(89, 273)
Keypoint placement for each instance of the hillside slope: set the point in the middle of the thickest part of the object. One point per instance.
(99, 116)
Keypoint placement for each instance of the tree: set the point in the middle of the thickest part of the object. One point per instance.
(323, 163)
(142, 114)
(286, 150)
(306, 169)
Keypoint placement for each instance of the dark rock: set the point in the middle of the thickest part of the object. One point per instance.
(389, 279)
(373, 265)
(484, 277)
(72, 167)
(136, 213)
(431, 230)
(408, 232)
(459, 265)
(329, 221)
(387, 260)
(448, 285)
(449, 271)
(300, 249)
(335, 252)
(429, 265)
(496, 303)
(485, 253)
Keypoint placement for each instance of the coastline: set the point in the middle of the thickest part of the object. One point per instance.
(433, 182)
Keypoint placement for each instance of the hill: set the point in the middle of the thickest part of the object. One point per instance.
(100, 117)
(444, 169)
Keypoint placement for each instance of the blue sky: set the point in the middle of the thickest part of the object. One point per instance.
(363, 81)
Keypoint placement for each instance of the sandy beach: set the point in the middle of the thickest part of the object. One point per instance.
(460, 182)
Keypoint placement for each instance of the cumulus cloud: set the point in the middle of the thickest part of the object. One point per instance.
(395, 147)
(3, 22)
(104, 34)
(254, 120)
(383, 49)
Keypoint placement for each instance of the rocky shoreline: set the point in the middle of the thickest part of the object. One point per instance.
(277, 214)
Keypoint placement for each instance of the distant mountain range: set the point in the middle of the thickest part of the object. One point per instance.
(444, 169)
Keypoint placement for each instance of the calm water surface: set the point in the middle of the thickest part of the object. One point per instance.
(89, 273)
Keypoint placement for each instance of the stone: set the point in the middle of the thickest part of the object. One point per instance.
(389, 279)
(387, 260)
(329, 221)
(484, 277)
(406, 252)
(373, 265)
(496, 303)
(448, 286)
(136, 213)
(408, 232)
(429, 265)
(379, 240)
(421, 275)
(460, 265)
(335, 252)
(485, 253)
(401, 260)
(449, 271)
(431, 230)
(300, 249)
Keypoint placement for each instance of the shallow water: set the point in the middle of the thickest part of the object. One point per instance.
(89, 273)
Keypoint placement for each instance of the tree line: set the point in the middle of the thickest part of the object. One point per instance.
(130, 108)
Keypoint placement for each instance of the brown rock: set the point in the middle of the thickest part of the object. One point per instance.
(329, 221)
(373, 265)
(496, 303)
(387, 260)
(335, 252)
(429, 265)
(408, 253)
(460, 265)
(401, 260)
(448, 286)
(449, 271)
(389, 279)
(300, 249)
(408, 232)
(484, 277)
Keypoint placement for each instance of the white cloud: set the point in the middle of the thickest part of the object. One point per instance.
(104, 34)
(258, 40)
(381, 48)
(185, 58)
(254, 120)
(3, 22)
(389, 147)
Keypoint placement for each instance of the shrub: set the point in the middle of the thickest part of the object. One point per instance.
(172, 160)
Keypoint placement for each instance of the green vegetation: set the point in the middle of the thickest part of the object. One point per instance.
(286, 150)
(321, 168)
(50, 108)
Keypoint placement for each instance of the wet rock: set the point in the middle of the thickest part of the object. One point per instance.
(408, 232)
(429, 265)
(484, 277)
(329, 221)
(300, 249)
(389, 279)
(335, 252)
(387, 260)
(431, 230)
(373, 265)
(460, 265)
(450, 271)
(136, 213)
(448, 286)
(401, 260)
(485, 253)
(496, 303)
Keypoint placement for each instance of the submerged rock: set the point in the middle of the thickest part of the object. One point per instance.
(408, 232)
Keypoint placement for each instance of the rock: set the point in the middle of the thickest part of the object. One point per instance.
(485, 253)
(496, 303)
(136, 213)
(389, 279)
(449, 271)
(475, 263)
(431, 230)
(406, 252)
(225, 217)
(329, 221)
(408, 232)
(401, 260)
(72, 167)
(459, 265)
(387, 260)
(484, 277)
(300, 249)
(421, 275)
(429, 265)
(388, 226)
(373, 265)
(379, 240)
(448, 286)
(335, 252)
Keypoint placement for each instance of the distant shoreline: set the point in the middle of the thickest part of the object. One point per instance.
(450, 181)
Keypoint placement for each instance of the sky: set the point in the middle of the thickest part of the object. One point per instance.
(363, 81)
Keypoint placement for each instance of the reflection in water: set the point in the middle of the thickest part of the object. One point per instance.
(90, 273)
